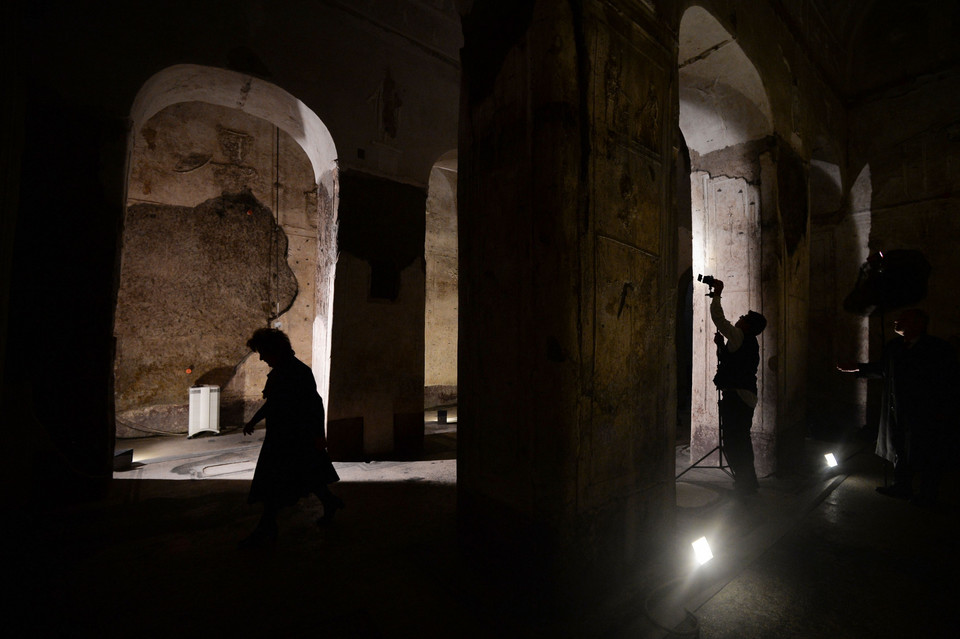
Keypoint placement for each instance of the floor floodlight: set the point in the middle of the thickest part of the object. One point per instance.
(831, 460)
(701, 550)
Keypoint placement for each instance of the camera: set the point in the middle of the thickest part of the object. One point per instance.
(707, 279)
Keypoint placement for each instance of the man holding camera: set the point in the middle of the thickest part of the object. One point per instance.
(738, 352)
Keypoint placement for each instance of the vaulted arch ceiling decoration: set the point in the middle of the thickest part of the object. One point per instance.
(722, 99)
(195, 83)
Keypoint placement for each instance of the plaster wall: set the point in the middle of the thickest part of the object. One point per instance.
(376, 374)
(196, 277)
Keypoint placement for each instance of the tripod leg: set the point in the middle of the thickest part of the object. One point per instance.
(728, 469)
(696, 463)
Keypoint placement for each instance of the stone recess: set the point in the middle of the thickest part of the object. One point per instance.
(220, 238)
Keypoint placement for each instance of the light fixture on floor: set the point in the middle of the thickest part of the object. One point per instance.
(701, 550)
(831, 460)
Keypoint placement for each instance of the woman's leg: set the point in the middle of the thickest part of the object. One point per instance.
(331, 504)
(266, 530)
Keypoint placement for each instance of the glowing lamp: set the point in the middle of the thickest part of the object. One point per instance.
(831, 460)
(701, 550)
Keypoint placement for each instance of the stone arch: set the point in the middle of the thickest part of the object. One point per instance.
(723, 102)
(195, 83)
(726, 121)
(441, 295)
(270, 169)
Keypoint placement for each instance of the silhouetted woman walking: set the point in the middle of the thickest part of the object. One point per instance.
(293, 460)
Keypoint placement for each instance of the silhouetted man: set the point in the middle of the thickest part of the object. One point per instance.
(738, 352)
(919, 374)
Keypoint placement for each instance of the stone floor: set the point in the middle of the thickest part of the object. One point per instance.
(819, 554)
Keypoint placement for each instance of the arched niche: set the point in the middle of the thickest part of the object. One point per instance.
(244, 176)
(725, 119)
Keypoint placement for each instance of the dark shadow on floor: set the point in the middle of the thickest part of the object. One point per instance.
(160, 558)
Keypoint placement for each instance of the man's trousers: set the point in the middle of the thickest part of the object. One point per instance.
(736, 418)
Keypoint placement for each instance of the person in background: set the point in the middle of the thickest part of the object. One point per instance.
(916, 432)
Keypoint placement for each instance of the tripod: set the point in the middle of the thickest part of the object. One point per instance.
(720, 465)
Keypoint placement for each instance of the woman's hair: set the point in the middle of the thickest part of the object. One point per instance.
(270, 339)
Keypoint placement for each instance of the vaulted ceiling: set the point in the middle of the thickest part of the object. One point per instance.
(867, 46)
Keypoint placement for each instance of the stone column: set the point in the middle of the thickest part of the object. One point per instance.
(567, 265)
(58, 378)
(788, 268)
(327, 227)
(376, 350)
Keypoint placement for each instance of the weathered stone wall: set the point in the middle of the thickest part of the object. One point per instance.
(192, 290)
(207, 259)
(440, 247)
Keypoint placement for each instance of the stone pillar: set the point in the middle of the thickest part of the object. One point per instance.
(567, 263)
(789, 270)
(376, 367)
(58, 376)
(440, 250)
(327, 228)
